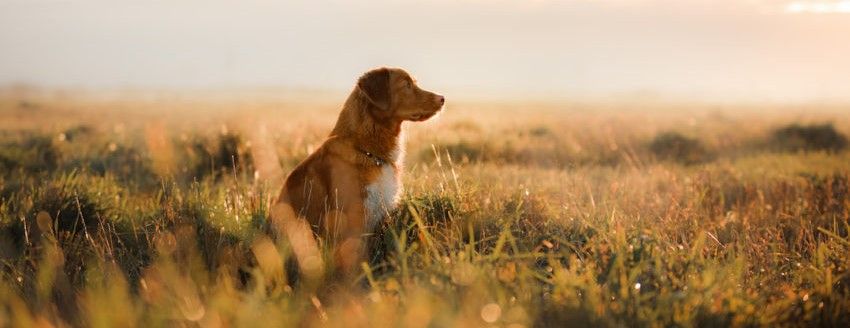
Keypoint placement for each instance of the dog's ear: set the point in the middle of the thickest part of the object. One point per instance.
(375, 85)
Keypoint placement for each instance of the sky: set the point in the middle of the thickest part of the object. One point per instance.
(717, 50)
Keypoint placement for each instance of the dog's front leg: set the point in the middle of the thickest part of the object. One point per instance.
(345, 230)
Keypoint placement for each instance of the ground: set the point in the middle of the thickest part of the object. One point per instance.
(150, 208)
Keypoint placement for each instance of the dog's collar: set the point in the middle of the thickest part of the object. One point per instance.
(377, 159)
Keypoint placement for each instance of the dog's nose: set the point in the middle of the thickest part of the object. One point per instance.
(441, 99)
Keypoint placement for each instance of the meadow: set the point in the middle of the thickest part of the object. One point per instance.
(150, 209)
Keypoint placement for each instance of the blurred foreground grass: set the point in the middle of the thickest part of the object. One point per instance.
(150, 211)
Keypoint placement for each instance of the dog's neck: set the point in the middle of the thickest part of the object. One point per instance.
(369, 134)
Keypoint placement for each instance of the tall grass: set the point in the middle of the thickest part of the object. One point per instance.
(503, 222)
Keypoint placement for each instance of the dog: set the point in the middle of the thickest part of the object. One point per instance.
(346, 187)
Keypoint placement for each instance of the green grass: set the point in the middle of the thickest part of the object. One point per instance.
(563, 217)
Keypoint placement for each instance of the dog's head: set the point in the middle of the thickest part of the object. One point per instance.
(395, 95)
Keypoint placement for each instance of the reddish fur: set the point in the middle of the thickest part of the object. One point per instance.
(328, 189)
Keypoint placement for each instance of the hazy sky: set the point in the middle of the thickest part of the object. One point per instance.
(754, 50)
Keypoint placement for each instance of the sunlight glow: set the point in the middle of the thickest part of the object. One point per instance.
(818, 7)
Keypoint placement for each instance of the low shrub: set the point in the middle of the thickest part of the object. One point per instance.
(816, 137)
(80, 213)
(33, 153)
(126, 163)
(227, 154)
(461, 152)
(672, 146)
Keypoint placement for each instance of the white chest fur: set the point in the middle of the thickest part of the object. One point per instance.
(383, 193)
(381, 196)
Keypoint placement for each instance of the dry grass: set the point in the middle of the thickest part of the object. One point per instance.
(151, 211)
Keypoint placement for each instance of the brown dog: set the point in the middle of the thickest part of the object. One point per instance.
(347, 185)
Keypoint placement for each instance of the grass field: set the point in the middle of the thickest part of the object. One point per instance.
(150, 209)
